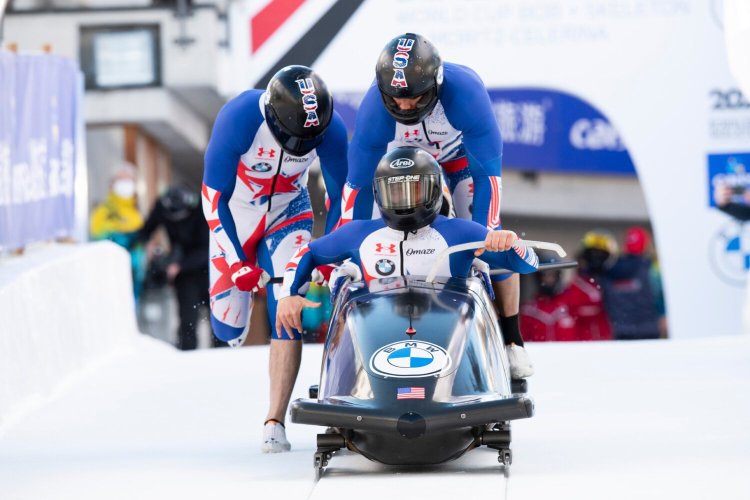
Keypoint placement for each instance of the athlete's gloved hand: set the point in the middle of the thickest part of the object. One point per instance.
(347, 270)
(321, 275)
(483, 269)
(248, 278)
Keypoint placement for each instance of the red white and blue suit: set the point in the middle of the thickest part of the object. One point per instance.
(256, 203)
(461, 133)
(382, 252)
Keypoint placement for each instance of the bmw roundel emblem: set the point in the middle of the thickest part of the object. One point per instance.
(410, 358)
(730, 253)
(261, 167)
(385, 267)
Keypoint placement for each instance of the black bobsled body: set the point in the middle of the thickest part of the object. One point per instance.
(413, 373)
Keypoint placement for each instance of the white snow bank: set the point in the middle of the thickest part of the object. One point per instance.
(62, 309)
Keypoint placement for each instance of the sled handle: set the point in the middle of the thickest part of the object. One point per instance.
(543, 245)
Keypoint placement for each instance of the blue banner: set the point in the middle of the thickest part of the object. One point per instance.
(38, 107)
(543, 130)
(732, 170)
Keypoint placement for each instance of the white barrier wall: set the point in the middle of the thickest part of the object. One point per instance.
(62, 308)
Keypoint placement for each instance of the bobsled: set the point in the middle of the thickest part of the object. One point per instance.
(414, 372)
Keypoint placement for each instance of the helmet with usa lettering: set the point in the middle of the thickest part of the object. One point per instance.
(298, 109)
(408, 188)
(410, 75)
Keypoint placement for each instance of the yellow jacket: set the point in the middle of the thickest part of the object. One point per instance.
(115, 215)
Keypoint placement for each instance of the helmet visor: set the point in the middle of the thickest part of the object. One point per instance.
(406, 191)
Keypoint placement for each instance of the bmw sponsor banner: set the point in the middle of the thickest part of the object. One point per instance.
(38, 123)
(730, 253)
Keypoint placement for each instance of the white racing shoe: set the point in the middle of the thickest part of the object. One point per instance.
(274, 438)
(520, 364)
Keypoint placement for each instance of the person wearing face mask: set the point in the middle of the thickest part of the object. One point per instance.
(179, 212)
(117, 219)
(546, 316)
(583, 297)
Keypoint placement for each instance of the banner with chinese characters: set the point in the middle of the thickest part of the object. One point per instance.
(543, 130)
(38, 126)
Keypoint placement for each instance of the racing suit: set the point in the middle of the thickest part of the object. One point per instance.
(461, 133)
(382, 252)
(256, 203)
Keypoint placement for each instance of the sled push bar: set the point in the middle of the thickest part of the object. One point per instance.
(542, 245)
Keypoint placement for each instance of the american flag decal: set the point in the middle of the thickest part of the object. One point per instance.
(410, 393)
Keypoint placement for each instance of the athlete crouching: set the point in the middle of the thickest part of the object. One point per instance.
(407, 188)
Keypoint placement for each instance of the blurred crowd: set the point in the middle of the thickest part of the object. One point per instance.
(612, 294)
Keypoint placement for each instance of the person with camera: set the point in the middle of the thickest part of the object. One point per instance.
(733, 200)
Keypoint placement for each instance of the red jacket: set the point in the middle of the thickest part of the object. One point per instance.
(547, 318)
(584, 300)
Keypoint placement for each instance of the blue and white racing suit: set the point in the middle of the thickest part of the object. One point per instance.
(382, 252)
(461, 133)
(256, 202)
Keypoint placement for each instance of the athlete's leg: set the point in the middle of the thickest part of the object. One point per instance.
(230, 307)
(291, 229)
(506, 287)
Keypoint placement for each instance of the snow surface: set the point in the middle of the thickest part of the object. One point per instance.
(663, 419)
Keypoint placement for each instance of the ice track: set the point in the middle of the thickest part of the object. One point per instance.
(617, 421)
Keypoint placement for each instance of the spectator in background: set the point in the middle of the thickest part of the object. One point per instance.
(583, 296)
(179, 212)
(118, 219)
(546, 316)
(733, 200)
(628, 295)
(658, 289)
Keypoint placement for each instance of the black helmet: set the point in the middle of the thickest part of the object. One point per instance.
(409, 66)
(408, 188)
(298, 109)
(178, 202)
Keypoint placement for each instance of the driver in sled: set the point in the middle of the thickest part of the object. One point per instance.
(408, 191)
